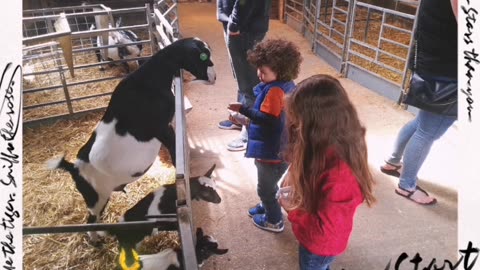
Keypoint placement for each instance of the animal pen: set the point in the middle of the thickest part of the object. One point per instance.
(62, 79)
(365, 42)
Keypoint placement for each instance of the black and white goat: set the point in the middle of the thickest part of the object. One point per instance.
(169, 259)
(136, 122)
(122, 38)
(163, 201)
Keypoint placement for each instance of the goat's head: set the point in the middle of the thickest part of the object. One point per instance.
(198, 59)
(204, 188)
(206, 246)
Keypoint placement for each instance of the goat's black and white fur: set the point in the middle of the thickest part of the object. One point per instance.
(136, 123)
(163, 201)
(171, 259)
(122, 38)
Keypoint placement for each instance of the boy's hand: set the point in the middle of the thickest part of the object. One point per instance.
(235, 106)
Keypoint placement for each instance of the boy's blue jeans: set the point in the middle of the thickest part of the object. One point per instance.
(310, 261)
(268, 176)
(245, 73)
(414, 142)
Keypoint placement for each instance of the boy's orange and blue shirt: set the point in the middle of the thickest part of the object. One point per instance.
(267, 120)
(273, 102)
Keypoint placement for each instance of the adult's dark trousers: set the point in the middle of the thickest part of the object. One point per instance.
(245, 73)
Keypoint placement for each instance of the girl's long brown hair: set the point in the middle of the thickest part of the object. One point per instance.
(320, 116)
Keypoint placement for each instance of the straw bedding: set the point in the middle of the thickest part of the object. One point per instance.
(50, 199)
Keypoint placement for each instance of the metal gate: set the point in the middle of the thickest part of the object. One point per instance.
(367, 43)
(50, 92)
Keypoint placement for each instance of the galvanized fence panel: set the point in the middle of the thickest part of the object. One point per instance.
(331, 30)
(50, 92)
(367, 43)
(294, 13)
(378, 48)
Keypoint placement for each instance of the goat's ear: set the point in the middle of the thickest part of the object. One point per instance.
(199, 233)
(118, 23)
(210, 171)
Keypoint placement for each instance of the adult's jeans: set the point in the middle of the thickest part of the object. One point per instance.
(268, 176)
(414, 142)
(245, 73)
(310, 261)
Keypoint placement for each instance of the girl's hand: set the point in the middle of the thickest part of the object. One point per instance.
(283, 203)
(235, 106)
(283, 196)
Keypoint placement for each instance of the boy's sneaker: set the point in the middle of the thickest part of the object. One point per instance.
(257, 209)
(261, 222)
(239, 144)
(227, 124)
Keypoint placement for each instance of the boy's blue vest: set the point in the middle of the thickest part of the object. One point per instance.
(266, 141)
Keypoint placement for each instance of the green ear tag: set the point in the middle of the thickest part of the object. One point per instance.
(203, 56)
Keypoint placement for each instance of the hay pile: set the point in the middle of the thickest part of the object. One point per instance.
(50, 199)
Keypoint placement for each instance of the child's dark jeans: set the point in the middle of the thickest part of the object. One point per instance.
(268, 176)
(310, 261)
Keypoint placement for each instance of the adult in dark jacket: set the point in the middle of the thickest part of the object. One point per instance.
(436, 59)
(245, 23)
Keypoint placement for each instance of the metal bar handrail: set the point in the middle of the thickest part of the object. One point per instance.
(71, 84)
(389, 11)
(398, 28)
(58, 102)
(88, 13)
(98, 226)
(338, 21)
(61, 8)
(331, 40)
(372, 60)
(373, 73)
(394, 42)
(182, 171)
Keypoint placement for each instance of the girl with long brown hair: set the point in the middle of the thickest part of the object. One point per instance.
(328, 177)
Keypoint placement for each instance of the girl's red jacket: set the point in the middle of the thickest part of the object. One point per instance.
(326, 233)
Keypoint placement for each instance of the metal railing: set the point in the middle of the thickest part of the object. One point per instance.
(50, 92)
(367, 43)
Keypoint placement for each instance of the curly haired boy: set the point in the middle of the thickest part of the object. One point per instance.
(278, 64)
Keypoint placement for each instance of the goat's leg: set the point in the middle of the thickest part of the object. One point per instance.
(95, 215)
(126, 66)
(167, 137)
(99, 59)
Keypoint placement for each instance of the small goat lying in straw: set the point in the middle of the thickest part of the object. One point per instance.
(170, 259)
(163, 201)
(136, 122)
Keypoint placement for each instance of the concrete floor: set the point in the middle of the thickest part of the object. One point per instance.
(394, 225)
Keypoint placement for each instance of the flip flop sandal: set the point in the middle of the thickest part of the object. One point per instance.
(411, 193)
(393, 172)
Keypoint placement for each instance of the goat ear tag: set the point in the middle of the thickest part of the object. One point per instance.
(203, 56)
